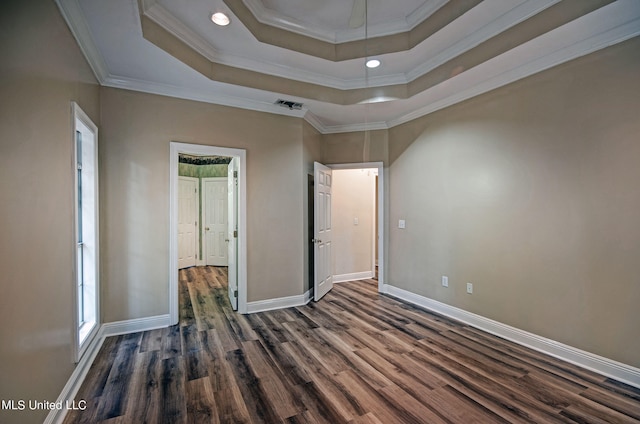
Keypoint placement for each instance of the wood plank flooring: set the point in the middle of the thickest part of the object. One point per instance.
(354, 357)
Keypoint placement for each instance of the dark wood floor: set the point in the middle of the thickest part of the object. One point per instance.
(355, 356)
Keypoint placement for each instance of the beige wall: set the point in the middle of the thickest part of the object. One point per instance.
(41, 72)
(532, 193)
(134, 151)
(354, 147)
(353, 197)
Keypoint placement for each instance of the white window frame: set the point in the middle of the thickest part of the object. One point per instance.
(85, 332)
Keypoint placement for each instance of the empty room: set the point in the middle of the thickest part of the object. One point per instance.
(354, 211)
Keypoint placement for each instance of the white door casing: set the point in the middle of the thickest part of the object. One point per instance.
(187, 221)
(323, 278)
(214, 219)
(175, 149)
(232, 231)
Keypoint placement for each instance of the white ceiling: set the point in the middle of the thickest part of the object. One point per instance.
(329, 19)
(110, 34)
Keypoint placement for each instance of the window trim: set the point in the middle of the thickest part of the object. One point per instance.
(84, 333)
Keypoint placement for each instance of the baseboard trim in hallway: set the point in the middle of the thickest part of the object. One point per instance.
(278, 303)
(605, 366)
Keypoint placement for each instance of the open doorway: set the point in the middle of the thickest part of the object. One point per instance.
(329, 229)
(237, 258)
(354, 224)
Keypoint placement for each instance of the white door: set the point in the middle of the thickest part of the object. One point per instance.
(214, 218)
(323, 281)
(187, 221)
(232, 231)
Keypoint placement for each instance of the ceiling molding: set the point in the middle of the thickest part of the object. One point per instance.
(518, 14)
(165, 19)
(200, 96)
(363, 126)
(604, 27)
(162, 17)
(361, 48)
(538, 24)
(269, 17)
(73, 15)
(315, 122)
(476, 85)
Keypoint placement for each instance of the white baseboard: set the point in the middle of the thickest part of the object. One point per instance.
(605, 366)
(70, 390)
(78, 375)
(134, 325)
(278, 303)
(352, 276)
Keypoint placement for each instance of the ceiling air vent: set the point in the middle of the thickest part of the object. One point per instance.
(289, 104)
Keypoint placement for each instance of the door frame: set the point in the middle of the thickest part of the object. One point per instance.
(203, 195)
(175, 148)
(380, 212)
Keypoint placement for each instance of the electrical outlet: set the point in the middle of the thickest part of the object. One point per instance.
(445, 281)
(469, 288)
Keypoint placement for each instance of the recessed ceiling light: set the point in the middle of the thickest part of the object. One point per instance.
(220, 18)
(373, 63)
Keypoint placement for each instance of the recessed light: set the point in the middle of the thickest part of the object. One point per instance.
(220, 18)
(373, 63)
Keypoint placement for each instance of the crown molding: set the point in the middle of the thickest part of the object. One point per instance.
(608, 35)
(317, 123)
(269, 17)
(200, 96)
(608, 25)
(177, 28)
(514, 16)
(361, 126)
(74, 17)
(165, 19)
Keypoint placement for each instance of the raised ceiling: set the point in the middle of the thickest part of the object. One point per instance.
(434, 53)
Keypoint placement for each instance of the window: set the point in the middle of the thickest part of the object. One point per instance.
(86, 284)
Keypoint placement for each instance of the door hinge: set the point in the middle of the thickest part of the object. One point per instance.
(235, 233)
(235, 174)
(235, 293)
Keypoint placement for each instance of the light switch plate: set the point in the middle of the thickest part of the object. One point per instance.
(401, 224)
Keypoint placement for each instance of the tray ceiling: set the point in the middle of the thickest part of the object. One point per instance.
(434, 53)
